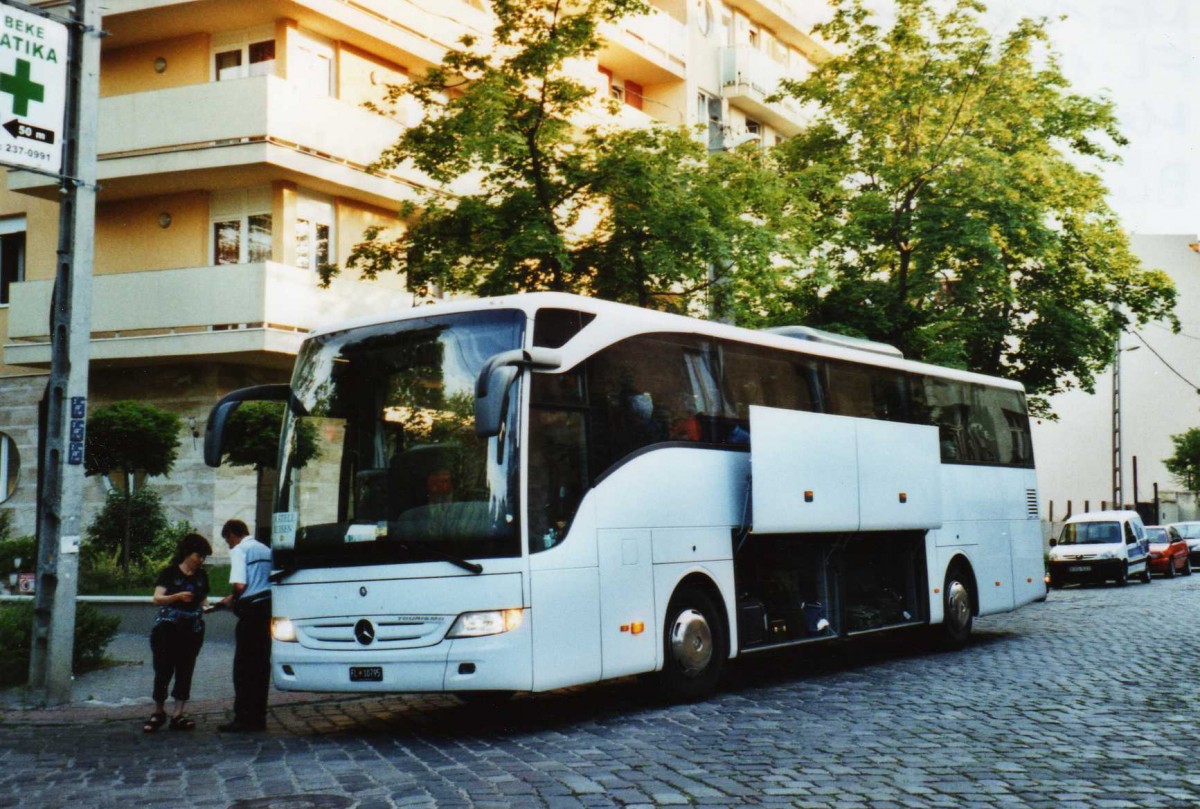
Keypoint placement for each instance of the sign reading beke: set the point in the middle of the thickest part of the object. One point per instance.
(33, 90)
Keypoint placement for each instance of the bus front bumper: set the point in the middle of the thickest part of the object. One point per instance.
(502, 662)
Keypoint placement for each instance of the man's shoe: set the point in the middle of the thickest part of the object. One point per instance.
(238, 726)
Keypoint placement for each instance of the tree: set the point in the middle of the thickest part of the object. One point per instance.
(130, 524)
(964, 219)
(252, 439)
(129, 437)
(125, 439)
(1184, 465)
(646, 216)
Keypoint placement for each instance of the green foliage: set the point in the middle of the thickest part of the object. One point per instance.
(93, 632)
(23, 548)
(129, 436)
(135, 527)
(644, 216)
(6, 518)
(963, 218)
(1184, 465)
(252, 437)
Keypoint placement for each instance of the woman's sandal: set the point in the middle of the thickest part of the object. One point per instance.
(182, 722)
(156, 721)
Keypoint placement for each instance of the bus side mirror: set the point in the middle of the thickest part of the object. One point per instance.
(214, 432)
(496, 379)
(492, 407)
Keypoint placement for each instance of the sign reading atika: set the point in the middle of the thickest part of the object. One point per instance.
(33, 90)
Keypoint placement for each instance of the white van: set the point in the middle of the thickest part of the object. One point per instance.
(1100, 546)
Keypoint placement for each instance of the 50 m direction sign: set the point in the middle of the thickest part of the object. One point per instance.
(33, 90)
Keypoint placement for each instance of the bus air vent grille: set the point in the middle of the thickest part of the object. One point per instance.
(393, 632)
(1031, 503)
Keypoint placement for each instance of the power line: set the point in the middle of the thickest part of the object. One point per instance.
(1176, 334)
(1161, 359)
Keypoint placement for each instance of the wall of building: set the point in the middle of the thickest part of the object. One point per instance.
(133, 70)
(1074, 454)
(130, 236)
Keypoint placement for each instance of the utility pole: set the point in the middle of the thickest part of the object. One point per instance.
(64, 407)
(1117, 487)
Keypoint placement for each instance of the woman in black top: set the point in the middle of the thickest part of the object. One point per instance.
(181, 593)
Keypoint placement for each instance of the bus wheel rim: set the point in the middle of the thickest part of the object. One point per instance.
(691, 642)
(958, 605)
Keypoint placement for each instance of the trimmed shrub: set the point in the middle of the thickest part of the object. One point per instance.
(93, 632)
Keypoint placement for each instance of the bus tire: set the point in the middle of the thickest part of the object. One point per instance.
(694, 646)
(958, 613)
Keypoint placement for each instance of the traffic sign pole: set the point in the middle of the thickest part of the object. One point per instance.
(61, 472)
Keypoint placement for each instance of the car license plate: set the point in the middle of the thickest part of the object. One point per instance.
(1079, 568)
(366, 674)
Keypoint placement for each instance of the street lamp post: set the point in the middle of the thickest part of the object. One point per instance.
(1118, 468)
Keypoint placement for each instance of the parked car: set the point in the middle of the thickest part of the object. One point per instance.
(1100, 546)
(1169, 553)
(1190, 531)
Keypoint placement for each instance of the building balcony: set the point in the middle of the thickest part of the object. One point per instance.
(791, 21)
(233, 312)
(408, 32)
(232, 134)
(749, 77)
(648, 48)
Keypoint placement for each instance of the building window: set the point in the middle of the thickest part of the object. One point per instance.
(241, 226)
(10, 466)
(311, 63)
(250, 59)
(313, 231)
(12, 256)
(753, 127)
(708, 111)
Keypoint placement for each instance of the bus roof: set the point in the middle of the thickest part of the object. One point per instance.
(623, 320)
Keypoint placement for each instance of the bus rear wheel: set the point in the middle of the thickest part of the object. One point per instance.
(958, 615)
(694, 646)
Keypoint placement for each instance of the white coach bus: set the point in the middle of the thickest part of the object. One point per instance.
(543, 490)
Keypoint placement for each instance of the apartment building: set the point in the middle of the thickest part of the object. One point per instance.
(233, 146)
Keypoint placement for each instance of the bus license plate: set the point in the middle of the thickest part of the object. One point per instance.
(1080, 568)
(366, 674)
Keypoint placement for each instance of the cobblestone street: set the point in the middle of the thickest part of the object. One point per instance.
(1089, 699)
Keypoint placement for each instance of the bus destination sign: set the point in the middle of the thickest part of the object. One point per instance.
(33, 90)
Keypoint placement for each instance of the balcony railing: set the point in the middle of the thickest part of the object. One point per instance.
(649, 48)
(749, 77)
(202, 127)
(197, 311)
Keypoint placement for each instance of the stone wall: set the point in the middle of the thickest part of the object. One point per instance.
(192, 492)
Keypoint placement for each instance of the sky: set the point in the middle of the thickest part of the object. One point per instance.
(1145, 56)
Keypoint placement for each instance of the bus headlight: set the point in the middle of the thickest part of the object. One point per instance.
(489, 622)
(282, 629)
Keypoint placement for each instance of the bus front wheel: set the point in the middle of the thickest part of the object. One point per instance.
(958, 615)
(694, 644)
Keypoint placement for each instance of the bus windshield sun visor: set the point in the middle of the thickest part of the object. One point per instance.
(497, 374)
(222, 410)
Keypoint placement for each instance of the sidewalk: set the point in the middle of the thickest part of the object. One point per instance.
(121, 691)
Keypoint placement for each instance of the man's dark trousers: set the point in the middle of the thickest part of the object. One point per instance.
(252, 663)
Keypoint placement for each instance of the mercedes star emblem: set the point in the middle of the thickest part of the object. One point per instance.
(364, 632)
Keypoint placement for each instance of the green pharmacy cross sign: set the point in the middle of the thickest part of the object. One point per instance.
(21, 88)
(33, 89)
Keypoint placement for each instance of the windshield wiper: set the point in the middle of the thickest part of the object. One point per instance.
(445, 557)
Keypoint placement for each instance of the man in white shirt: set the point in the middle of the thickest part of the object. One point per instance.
(249, 578)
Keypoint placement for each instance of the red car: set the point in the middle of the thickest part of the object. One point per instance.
(1168, 551)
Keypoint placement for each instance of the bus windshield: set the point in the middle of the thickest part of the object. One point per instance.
(385, 466)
